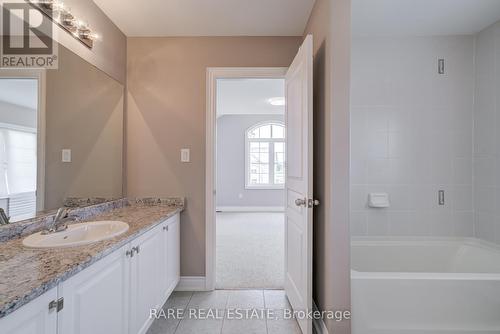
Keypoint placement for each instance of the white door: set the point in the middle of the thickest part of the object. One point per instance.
(33, 318)
(96, 299)
(299, 200)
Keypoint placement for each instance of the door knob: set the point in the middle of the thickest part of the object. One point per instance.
(301, 202)
(306, 202)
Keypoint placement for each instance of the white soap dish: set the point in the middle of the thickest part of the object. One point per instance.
(378, 200)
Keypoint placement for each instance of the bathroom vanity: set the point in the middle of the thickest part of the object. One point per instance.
(105, 287)
(104, 272)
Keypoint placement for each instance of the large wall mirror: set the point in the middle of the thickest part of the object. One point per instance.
(61, 136)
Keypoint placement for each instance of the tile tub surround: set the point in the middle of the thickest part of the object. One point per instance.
(412, 135)
(27, 273)
(487, 135)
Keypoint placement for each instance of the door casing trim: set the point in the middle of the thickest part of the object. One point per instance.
(214, 73)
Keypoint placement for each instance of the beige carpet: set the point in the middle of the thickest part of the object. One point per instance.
(250, 250)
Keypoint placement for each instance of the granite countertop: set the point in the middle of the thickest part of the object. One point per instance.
(27, 273)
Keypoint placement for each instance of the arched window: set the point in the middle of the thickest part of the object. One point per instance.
(265, 156)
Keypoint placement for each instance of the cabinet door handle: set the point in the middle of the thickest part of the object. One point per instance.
(136, 249)
(165, 228)
(130, 252)
(58, 304)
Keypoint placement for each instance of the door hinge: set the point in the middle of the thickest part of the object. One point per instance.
(58, 305)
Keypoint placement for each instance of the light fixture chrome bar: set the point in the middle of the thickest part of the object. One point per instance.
(62, 16)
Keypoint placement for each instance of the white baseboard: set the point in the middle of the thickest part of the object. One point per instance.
(191, 283)
(250, 208)
(319, 326)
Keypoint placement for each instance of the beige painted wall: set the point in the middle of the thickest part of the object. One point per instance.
(330, 25)
(84, 113)
(166, 112)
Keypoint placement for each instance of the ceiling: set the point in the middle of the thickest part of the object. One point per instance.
(21, 92)
(249, 96)
(209, 17)
(423, 17)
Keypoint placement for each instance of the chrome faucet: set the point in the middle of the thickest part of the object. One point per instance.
(60, 222)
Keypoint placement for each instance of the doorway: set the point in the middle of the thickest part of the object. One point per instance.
(234, 209)
(298, 177)
(250, 178)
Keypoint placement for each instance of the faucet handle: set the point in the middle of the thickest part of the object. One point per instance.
(68, 219)
(61, 213)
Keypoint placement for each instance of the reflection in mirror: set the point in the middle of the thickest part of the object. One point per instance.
(61, 137)
(18, 146)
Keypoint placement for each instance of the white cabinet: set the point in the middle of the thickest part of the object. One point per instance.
(96, 299)
(170, 259)
(113, 295)
(173, 253)
(145, 279)
(36, 317)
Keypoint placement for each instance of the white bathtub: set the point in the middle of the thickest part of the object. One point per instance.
(425, 286)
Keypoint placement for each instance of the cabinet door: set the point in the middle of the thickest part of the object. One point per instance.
(163, 278)
(173, 254)
(170, 260)
(32, 318)
(96, 299)
(145, 287)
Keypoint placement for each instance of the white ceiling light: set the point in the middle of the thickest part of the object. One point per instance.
(249, 96)
(277, 101)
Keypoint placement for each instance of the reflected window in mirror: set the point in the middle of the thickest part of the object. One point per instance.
(18, 144)
(43, 113)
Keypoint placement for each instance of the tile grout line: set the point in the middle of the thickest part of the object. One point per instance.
(265, 308)
(185, 308)
(225, 313)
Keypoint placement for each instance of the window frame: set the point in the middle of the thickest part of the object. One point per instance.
(23, 129)
(248, 141)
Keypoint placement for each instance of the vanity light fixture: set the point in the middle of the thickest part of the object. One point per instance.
(59, 13)
(276, 101)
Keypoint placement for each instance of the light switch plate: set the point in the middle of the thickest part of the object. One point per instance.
(185, 155)
(66, 155)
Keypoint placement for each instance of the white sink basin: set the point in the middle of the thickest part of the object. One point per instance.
(77, 235)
